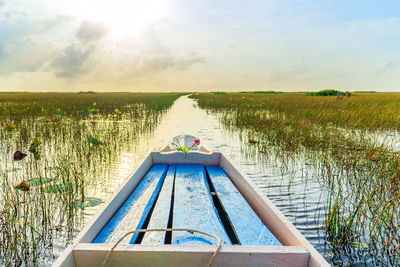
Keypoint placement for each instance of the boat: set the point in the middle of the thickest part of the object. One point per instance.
(189, 207)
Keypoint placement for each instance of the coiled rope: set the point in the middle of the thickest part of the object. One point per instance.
(167, 230)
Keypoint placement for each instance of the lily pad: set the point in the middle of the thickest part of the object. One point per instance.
(357, 244)
(59, 188)
(252, 141)
(88, 202)
(94, 141)
(118, 112)
(60, 112)
(39, 181)
(11, 127)
(22, 187)
(18, 155)
(36, 142)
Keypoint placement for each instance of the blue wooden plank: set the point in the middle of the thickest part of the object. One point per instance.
(193, 207)
(134, 210)
(160, 215)
(248, 226)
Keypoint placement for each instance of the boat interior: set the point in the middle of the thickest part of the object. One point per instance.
(191, 196)
(194, 191)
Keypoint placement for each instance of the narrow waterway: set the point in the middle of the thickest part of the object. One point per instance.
(292, 188)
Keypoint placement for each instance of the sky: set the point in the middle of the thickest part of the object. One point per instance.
(202, 45)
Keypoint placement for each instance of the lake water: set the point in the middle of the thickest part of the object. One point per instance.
(293, 188)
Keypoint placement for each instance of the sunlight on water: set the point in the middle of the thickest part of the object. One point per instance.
(298, 197)
(292, 183)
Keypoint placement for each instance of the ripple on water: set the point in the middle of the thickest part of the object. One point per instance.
(298, 196)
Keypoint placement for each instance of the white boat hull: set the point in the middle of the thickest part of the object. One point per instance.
(295, 249)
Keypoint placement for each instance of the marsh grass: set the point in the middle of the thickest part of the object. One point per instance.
(368, 111)
(67, 168)
(361, 176)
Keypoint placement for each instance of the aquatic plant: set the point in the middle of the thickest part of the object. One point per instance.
(117, 112)
(327, 92)
(36, 142)
(367, 111)
(359, 173)
(40, 215)
(18, 155)
(179, 147)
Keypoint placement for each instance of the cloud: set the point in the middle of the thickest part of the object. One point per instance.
(73, 61)
(31, 57)
(23, 48)
(77, 59)
(150, 64)
(1, 4)
(91, 32)
(390, 65)
(154, 56)
(185, 62)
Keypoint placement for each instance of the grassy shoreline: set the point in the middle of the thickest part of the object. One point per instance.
(82, 136)
(372, 111)
(360, 174)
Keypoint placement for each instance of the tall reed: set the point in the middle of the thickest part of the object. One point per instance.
(361, 173)
(82, 137)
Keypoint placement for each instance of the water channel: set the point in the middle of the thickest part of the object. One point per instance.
(293, 188)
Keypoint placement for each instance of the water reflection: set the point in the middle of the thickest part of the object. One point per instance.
(289, 186)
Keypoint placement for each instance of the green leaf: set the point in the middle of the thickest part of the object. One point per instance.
(39, 181)
(252, 141)
(59, 112)
(36, 142)
(93, 110)
(59, 188)
(184, 149)
(88, 202)
(94, 141)
(11, 127)
(119, 113)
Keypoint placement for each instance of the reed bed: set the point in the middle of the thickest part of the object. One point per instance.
(81, 137)
(371, 111)
(361, 176)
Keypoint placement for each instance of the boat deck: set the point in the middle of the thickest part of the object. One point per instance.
(191, 196)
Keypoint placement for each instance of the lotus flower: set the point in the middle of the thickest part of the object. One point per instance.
(196, 142)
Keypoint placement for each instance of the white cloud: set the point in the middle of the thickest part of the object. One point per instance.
(151, 64)
(77, 58)
(72, 62)
(389, 66)
(24, 49)
(90, 32)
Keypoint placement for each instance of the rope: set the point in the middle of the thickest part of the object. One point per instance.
(167, 230)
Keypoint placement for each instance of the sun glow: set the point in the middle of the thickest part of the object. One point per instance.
(124, 18)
